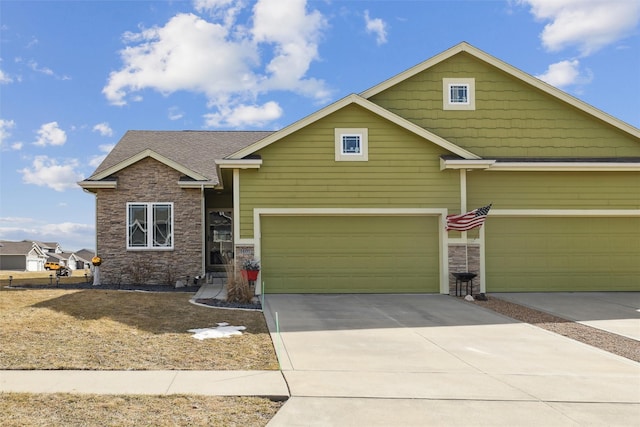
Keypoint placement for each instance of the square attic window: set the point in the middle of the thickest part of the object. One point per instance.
(459, 94)
(351, 144)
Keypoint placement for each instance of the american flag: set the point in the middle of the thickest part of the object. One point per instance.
(469, 220)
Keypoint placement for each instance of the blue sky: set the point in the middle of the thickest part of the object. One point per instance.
(76, 75)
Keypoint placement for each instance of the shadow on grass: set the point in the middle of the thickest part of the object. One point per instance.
(157, 313)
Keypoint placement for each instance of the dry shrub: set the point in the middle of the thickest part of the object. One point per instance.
(238, 288)
(139, 271)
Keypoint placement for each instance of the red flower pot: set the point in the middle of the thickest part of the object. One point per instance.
(250, 275)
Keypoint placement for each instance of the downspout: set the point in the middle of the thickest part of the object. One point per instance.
(236, 215)
(203, 234)
(95, 219)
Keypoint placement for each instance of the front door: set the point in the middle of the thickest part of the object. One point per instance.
(219, 239)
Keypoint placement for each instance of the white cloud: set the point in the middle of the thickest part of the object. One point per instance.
(231, 62)
(175, 113)
(188, 53)
(560, 74)
(227, 10)
(5, 78)
(95, 161)
(5, 129)
(295, 35)
(104, 129)
(377, 27)
(50, 134)
(46, 172)
(244, 115)
(70, 235)
(587, 24)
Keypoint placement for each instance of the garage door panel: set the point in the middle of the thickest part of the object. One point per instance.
(563, 254)
(350, 254)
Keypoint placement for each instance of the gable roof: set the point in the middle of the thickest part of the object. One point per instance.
(364, 103)
(190, 152)
(509, 69)
(19, 248)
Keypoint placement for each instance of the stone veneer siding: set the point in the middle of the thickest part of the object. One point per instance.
(457, 264)
(149, 181)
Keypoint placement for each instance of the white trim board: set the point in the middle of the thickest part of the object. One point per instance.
(565, 212)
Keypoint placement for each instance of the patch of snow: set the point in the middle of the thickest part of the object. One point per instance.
(223, 330)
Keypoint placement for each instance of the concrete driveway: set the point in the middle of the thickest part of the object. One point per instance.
(616, 312)
(414, 360)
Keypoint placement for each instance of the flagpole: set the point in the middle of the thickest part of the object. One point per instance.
(466, 251)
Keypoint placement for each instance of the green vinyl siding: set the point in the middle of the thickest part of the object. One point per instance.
(300, 171)
(528, 254)
(511, 119)
(554, 190)
(350, 254)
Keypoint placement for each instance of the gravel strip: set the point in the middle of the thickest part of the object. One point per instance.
(613, 343)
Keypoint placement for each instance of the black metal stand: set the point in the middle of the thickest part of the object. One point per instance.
(467, 279)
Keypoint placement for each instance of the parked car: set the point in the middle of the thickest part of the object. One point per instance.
(51, 266)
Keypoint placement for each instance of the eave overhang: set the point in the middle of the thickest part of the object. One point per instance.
(239, 163)
(91, 184)
(197, 184)
(543, 165)
(143, 155)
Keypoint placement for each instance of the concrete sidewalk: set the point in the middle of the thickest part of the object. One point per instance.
(211, 383)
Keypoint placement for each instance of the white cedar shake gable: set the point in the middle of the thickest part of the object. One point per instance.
(364, 103)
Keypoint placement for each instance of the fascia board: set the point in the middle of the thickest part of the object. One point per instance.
(239, 163)
(149, 153)
(197, 184)
(509, 69)
(374, 108)
(294, 127)
(97, 184)
(414, 70)
(565, 167)
(493, 165)
(466, 164)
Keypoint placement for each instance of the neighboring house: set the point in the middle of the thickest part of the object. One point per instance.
(353, 198)
(83, 257)
(49, 247)
(21, 256)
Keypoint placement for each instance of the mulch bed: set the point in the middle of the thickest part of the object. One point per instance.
(214, 302)
(111, 287)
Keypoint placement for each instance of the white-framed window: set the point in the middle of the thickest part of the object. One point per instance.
(149, 225)
(351, 144)
(459, 94)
